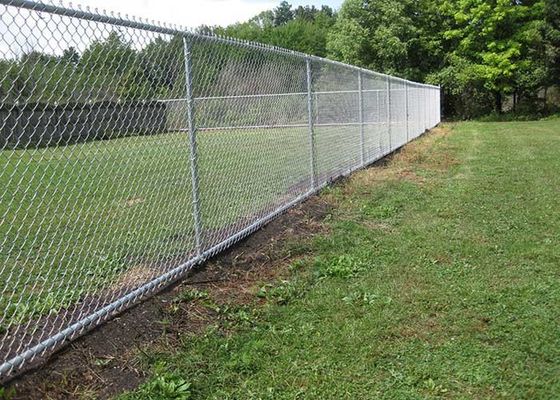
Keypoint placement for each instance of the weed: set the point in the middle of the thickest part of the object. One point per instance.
(191, 295)
(7, 394)
(233, 315)
(285, 291)
(164, 385)
(298, 264)
(366, 298)
(344, 266)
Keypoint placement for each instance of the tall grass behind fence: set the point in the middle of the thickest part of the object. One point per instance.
(133, 151)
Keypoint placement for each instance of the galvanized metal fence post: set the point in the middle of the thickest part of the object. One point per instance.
(426, 108)
(378, 120)
(310, 125)
(432, 108)
(406, 108)
(424, 95)
(389, 112)
(192, 145)
(316, 104)
(361, 119)
(439, 104)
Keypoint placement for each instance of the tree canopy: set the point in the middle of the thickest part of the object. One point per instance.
(304, 28)
(478, 50)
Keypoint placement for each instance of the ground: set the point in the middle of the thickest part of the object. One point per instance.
(433, 275)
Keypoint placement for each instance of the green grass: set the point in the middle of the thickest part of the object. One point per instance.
(439, 278)
(107, 216)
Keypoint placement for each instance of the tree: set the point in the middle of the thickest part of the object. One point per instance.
(161, 62)
(495, 37)
(306, 13)
(134, 85)
(71, 56)
(103, 64)
(304, 30)
(298, 35)
(374, 34)
(112, 56)
(479, 50)
(17, 85)
(263, 20)
(550, 51)
(283, 14)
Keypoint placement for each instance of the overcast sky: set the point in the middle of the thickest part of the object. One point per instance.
(192, 13)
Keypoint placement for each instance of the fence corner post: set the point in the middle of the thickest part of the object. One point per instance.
(311, 129)
(425, 95)
(406, 109)
(361, 119)
(192, 145)
(389, 113)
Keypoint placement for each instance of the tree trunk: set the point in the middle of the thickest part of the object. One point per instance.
(498, 104)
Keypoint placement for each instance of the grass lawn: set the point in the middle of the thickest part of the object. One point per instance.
(439, 278)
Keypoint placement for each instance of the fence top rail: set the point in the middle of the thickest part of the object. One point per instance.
(170, 29)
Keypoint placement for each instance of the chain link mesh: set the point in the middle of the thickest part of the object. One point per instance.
(132, 151)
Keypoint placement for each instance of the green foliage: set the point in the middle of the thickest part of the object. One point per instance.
(134, 85)
(283, 14)
(342, 266)
(164, 386)
(304, 29)
(190, 295)
(493, 48)
(112, 55)
(384, 48)
(162, 64)
(108, 69)
(7, 394)
(479, 50)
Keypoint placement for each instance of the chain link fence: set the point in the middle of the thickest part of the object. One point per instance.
(132, 151)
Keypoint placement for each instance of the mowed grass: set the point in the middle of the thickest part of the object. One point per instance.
(439, 278)
(110, 215)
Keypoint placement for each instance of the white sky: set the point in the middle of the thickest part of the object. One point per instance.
(192, 13)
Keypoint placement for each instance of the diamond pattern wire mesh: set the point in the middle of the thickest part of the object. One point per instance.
(132, 151)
